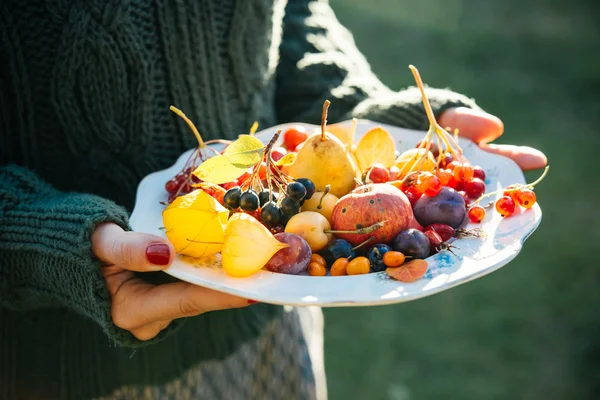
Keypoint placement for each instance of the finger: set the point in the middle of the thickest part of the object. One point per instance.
(181, 299)
(133, 251)
(527, 158)
(476, 125)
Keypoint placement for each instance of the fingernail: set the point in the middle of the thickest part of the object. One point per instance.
(252, 301)
(158, 254)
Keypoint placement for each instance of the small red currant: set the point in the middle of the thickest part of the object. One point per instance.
(463, 172)
(526, 198)
(293, 137)
(478, 172)
(475, 188)
(430, 184)
(476, 214)
(505, 206)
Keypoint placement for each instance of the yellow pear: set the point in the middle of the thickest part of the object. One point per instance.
(324, 160)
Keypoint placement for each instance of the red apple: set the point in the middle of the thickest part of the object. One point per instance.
(367, 205)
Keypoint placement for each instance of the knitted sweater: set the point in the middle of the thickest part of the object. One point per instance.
(85, 88)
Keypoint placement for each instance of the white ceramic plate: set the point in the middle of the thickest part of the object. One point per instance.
(473, 257)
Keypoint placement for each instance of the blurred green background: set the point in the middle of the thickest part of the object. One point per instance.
(532, 329)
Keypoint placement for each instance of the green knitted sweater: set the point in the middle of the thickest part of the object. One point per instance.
(85, 88)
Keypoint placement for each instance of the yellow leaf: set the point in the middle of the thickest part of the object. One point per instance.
(195, 224)
(288, 159)
(377, 146)
(237, 158)
(248, 246)
(415, 159)
(345, 134)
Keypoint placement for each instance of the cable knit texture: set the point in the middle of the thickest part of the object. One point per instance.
(85, 88)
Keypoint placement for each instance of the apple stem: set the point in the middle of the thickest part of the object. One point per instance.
(324, 119)
(361, 231)
(327, 189)
(190, 124)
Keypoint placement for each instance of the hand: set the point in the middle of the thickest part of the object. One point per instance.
(138, 306)
(483, 128)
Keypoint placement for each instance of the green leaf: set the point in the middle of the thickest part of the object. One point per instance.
(240, 155)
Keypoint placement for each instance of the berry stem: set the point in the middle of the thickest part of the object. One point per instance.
(253, 128)
(363, 243)
(190, 124)
(324, 119)
(517, 187)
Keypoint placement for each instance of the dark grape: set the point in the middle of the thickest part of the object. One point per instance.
(271, 214)
(263, 197)
(309, 185)
(335, 249)
(289, 206)
(232, 198)
(412, 243)
(296, 191)
(249, 200)
(375, 256)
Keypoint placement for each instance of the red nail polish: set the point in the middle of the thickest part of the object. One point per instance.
(158, 254)
(252, 301)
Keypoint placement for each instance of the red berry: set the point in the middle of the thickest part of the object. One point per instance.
(512, 192)
(430, 184)
(444, 175)
(180, 178)
(186, 188)
(171, 186)
(451, 165)
(526, 198)
(245, 176)
(458, 185)
(229, 185)
(434, 238)
(171, 198)
(262, 171)
(411, 184)
(505, 206)
(464, 195)
(412, 197)
(476, 214)
(394, 173)
(446, 232)
(463, 172)
(278, 153)
(475, 188)
(433, 148)
(478, 172)
(445, 160)
(293, 137)
(378, 174)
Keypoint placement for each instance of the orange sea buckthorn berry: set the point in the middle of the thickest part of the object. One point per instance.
(316, 269)
(339, 267)
(526, 198)
(359, 266)
(318, 259)
(393, 259)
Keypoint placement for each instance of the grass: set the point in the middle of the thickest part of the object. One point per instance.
(532, 329)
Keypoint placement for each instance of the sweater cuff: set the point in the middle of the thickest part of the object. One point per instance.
(405, 108)
(46, 259)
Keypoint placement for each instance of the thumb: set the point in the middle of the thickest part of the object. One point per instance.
(133, 251)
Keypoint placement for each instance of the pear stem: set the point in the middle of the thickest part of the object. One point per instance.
(324, 119)
(190, 124)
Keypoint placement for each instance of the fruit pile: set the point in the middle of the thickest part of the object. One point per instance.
(321, 204)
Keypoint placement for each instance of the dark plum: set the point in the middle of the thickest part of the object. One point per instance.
(291, 260)
(337, 248)
(375, 256)
(448, 207)
(412, 243)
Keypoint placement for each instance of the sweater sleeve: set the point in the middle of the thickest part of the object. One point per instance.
(45, 250)
(319, 60)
